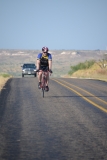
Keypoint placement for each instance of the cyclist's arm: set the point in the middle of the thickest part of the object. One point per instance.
(50, 61)
(50, 64)
(38, 60)
(38, 64)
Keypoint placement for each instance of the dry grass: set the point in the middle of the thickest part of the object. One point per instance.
(3, 81)
(94, 72)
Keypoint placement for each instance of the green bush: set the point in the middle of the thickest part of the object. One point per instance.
(81, 66)
(5, 75)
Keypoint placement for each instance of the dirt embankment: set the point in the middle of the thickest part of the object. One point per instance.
(3, 81)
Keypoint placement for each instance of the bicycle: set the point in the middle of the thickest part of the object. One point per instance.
(43, 80)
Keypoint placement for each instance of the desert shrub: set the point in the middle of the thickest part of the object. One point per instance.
(81, 66)
(5, 75)
(102, 71)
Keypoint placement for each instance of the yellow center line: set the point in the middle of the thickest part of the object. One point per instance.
(96, 105)
(86, 92)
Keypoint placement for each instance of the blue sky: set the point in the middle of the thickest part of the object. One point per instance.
(57, 24)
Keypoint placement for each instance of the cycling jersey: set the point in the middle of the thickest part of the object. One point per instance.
(44, 59)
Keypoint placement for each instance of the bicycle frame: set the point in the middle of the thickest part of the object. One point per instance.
(43, 81)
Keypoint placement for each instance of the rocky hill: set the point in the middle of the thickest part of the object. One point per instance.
(11, 60)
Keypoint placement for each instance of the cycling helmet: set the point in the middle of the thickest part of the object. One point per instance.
(45, 49)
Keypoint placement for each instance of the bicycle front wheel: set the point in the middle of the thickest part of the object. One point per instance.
(43, 91)
(43, 85)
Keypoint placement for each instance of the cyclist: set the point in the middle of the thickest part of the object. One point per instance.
(44, 61)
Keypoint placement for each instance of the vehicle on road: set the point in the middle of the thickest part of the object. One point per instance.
(28, 69)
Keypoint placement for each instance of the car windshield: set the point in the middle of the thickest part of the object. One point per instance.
(29, 66)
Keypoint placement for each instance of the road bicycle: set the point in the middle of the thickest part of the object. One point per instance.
(44, 80)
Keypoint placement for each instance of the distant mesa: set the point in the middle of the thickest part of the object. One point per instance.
(20, 54)
(72, 53)
(63, 53)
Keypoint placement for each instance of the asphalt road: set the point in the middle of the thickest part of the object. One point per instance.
(69, 123)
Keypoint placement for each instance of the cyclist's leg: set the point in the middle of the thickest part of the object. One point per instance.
(39, 76)
(39, 79)
(45, 68)
(47, 81)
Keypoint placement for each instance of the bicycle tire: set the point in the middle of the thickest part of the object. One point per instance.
(43, 92)
(43, 86)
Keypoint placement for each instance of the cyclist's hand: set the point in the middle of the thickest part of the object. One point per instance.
(37, 70)
(50, 71)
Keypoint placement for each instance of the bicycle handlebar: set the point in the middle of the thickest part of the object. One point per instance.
(43, 71)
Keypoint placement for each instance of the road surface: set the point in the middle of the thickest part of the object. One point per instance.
(69, 123)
